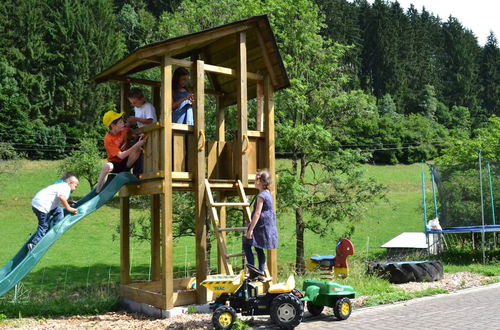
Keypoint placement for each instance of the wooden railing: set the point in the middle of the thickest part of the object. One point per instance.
(221, 155)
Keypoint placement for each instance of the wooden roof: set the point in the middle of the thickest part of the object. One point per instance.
(217, 46)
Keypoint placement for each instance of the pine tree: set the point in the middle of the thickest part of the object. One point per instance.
(489, 75)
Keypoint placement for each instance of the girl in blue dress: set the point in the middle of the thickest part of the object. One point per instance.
(261, 233)
(182, 107)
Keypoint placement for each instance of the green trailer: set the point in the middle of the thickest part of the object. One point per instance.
(319, 294)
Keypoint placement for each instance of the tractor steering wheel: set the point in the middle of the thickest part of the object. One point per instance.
(254, 271)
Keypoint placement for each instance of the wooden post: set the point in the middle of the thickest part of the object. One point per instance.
(167, 280)
(156, 100)
(222, 224)
(272, 256)
(124, 102)
(200, 230)
(240, 154)
(260, 106)
(221, 133)
(124, 240)
(155, 237)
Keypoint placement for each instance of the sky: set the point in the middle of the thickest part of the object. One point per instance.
(479, 16)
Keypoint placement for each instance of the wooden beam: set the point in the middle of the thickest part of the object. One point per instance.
(167, 262)
(267, 60)
(124, 240)
(195, 40)
(155, 237)
(240, 155)
(260, 107)
(221, 122)
(137, 81)
(272, 255)
(124, 102)
(199, 170)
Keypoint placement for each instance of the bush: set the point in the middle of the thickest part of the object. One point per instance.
(85, 161)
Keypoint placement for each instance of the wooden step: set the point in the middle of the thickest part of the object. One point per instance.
(233, 229)
(228, 204)
(234, 255)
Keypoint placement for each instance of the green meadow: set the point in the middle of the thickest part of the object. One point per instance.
(79, 273)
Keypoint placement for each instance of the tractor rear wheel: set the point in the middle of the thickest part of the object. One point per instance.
(287, 311)
(342, 309)
(314, 309)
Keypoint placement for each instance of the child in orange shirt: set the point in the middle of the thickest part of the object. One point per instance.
(120, 159)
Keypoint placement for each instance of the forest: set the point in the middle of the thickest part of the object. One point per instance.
(375, 81)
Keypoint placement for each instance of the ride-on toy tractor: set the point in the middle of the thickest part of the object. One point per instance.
(239, 293)
(319, 294)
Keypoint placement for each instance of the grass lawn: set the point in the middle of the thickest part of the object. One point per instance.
(84, 263)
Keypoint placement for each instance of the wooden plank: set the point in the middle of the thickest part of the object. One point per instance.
(225, 267)
(223, 204)
(124, 102)
(241, 157)
(221, 122)
(197, 40)
(267, 60)
(144, 188)
(186, 176)
(182, 128)
(179, 152)
(252, 156)
(167, 248)
(199, 169)
(124, 240)
(243, 197)
(183, 298)
(155, 237)
(272, 255)
(145, 297)
(156, 99)
(221, 261)
(260, 107)
(233, 229)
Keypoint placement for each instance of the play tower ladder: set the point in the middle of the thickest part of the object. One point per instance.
(219, 228)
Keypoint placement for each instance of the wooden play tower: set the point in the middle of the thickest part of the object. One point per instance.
(233, 63)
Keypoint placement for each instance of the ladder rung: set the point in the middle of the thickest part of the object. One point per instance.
(235, 255)
(233, 229)
(228, 204)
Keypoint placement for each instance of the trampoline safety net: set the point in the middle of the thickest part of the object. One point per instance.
(459, 194)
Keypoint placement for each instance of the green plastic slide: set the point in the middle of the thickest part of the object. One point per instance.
(24, 261)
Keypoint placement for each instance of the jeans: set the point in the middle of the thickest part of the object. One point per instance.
(45, 221)
(261, 256)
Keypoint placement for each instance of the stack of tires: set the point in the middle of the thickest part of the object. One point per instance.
(407, 271)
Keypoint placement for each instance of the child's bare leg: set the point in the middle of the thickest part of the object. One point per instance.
(132, 158)
(106, 169)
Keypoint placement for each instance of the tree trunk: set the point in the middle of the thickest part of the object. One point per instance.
(299, 226)
(299, 251)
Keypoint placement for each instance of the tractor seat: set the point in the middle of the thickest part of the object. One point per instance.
(283, 287)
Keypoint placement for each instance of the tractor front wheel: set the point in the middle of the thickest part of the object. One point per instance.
(342, 309)
(287, 311)
(223, 317)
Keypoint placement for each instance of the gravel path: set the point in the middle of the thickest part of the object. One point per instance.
(122, 320)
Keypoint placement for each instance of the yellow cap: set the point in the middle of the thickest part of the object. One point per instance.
(110, 117)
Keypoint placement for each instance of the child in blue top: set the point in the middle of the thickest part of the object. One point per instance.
(261, 233)
(182, 106)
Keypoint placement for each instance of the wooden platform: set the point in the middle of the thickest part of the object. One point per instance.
(181, 181)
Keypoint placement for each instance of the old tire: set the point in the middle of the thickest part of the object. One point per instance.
(287, 311)
(223, 317)
(315, 310)
(342, 308)
(410, 271)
